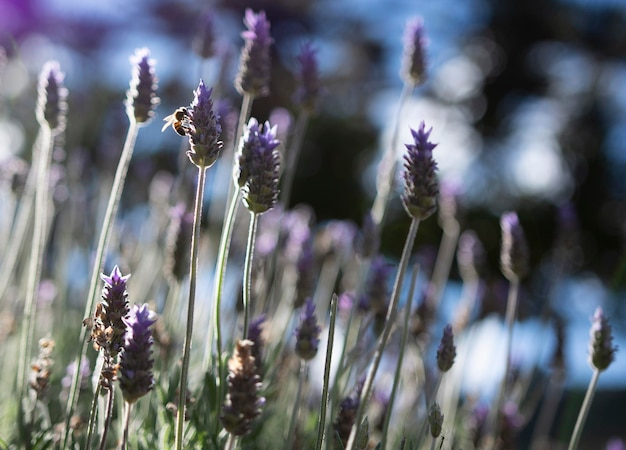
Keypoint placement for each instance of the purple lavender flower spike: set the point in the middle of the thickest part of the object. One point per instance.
(376, 295)
(204, 129)
(514, 251)
(178, 244)
(135, 369)
(255, 328)
(305, 267)
(470, 256)
(257, 168)
(307, 94)
(420, 181)
(141, 98)
(601, 349)
(368, 240)
(447, 350)
(204, 40)
(307, 333)
(254, 65)
(413, 59)
(52, 96)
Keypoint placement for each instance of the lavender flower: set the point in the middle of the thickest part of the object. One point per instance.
(141, 98)
(307, 94)
(254, 65)
(204, 40)
(108, 327)
(470, 256)
(308, 333)
(243, 403)
(226, 118)
(305, 267)
(413, 63)
(257, 167)
(447, 350)
(368, 239)
(178, 244)
(348, 409)
(135, 368)
(52, 98)
(514, 251)
(421, 187)
(204, 129)
(601, 349)
(376, 296)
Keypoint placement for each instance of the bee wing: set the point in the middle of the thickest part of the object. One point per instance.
(169, 120)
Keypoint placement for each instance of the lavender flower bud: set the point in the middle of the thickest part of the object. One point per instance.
(135, 369)
(308, 77)
(308, 333)
(514, 251)
(254, 64)
(435, 420)
(413, 63)
(376, 294)
(368, 239)
(257, 168)
(305, 266)
(421, 187)
(108, 327)
(348, 409)
(446, 351)
(470, 256)
(178, 244)
(226, 118)
(52, 98)
(204, 129)
(601, 349)
(204, 40)
(243, 403)
(141, 98)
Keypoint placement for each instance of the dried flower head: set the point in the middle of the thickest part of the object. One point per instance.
(243, 403)
(141, 98)
(135, 368)
(413, 58)
(447, 350)
(257, 168)
(420, 181)
(203, 129)
(308, 333)
(307, 94)
(254, 64)
(52, 98)
(435, 420)
(514, 250)
(40, 376)
(601, 349)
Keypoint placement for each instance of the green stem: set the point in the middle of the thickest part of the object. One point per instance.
(231, 442)
(296, 405)
(389, 320)
(511, 312)
(584, 410)
(247, 272)
(36, 257)
(193, 269)
(126, 425)
(103, 242)
(405, 337)
(292, 157)
(92, 415)
(329, 357)
(107, 420)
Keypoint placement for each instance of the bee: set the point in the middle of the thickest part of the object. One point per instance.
(179, 121)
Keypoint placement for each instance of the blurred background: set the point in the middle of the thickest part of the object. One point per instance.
(527, 101)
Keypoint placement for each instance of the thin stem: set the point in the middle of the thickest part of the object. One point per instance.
(388, 165)
(389, 320)
(292, 156)
(247, 272)
(296, 405)
(405, 336)
(511, 312)
(193, 268)
(36, 257)
(107, 420)
(329, 357)
(126, 425)
(231, 442)
(445, 256)
(584, 410)
(92, 415)
(103, 242)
